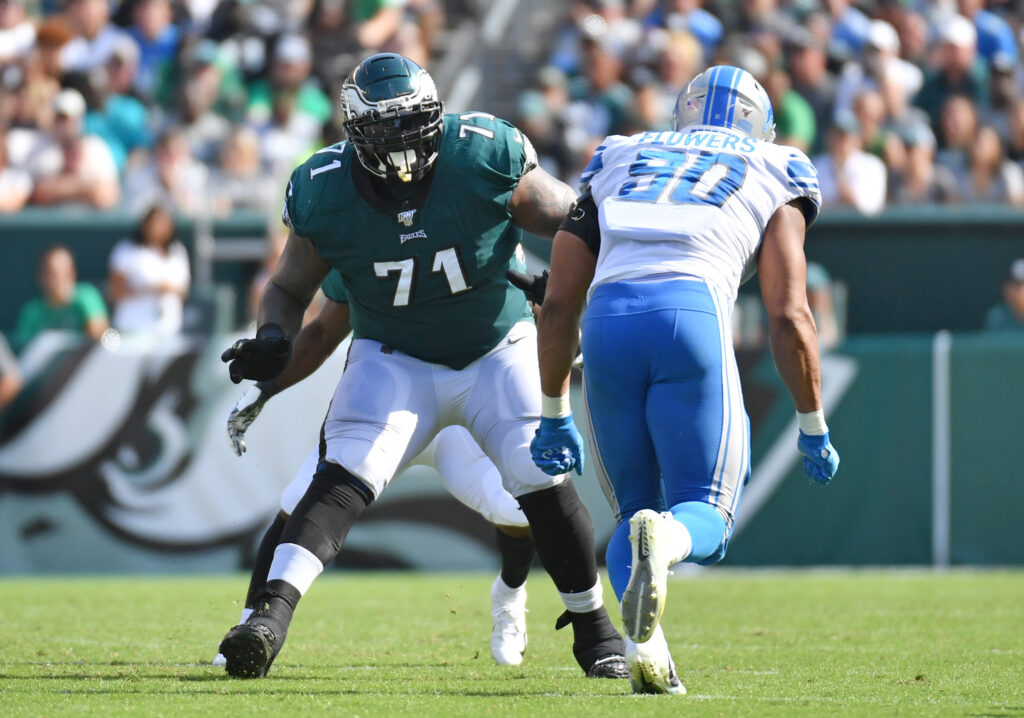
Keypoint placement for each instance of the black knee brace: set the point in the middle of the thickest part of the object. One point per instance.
(324, 515)
(563, 535)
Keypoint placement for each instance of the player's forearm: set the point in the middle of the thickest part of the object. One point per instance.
(282, 308)
(794, 345)
(557, 342)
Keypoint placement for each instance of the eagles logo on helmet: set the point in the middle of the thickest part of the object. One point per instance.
(392, 117)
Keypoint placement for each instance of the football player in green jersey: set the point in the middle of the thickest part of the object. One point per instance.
(420, 213)
(464, 469)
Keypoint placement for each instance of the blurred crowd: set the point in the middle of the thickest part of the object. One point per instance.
(896, 101)
(207, 104)
(195, 105)
(172, 108)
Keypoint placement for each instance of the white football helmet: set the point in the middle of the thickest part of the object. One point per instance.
(392, 117)
(726, 96)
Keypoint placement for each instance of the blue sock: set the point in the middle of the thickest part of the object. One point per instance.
(619, 556)
(706, 527)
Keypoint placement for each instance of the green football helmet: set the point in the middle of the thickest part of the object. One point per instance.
(392, 117)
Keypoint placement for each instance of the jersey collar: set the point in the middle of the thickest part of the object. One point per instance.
(377, 196)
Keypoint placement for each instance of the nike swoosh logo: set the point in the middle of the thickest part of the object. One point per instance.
(513, 340)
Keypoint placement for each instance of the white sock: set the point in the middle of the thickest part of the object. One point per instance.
(295, 565)
(501, 592)
(682, 542)
(246, 612)
(584, 601)
(655, 643)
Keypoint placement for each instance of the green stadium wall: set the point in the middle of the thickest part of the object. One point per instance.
(881, 507)
(911, 269)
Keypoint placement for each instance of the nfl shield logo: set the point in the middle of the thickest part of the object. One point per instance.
(406, 217)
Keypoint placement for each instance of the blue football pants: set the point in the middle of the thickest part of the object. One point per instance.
(665, 410)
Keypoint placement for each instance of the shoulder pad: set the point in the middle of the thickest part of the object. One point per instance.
(492, 142)
(308, 182)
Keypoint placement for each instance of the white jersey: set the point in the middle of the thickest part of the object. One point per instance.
(694, 202)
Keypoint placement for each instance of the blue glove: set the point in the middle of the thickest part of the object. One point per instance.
(821, 460)
(557, 447)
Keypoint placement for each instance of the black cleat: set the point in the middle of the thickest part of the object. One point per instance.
(250, 649)
(611, 666)
(597, 646)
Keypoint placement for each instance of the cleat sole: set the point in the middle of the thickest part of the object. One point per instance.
(643, 601)
(248, 653)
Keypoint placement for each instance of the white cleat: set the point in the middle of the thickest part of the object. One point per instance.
(651, 669)
(508, 637)
(219, 660)
(643, 602)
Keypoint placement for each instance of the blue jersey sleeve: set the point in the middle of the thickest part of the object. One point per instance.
(803, 182)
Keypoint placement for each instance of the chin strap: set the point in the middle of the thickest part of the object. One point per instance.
(403, 162)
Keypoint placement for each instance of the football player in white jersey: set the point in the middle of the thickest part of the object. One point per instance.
(679, 220)
(464, 469)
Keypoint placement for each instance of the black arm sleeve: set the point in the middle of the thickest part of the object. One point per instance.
(582, 221)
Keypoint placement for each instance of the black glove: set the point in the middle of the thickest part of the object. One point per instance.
(533, 285)
(262, 358)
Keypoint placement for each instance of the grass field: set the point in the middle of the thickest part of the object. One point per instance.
(746, 644)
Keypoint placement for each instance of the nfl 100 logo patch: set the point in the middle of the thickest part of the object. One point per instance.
(406, 217)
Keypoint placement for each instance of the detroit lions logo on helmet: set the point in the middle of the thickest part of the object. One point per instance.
(726, 96)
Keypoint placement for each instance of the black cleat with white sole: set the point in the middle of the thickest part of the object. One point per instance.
(611, 666)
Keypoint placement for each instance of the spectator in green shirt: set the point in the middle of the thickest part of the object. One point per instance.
(64, 303)
(794, 117)
(1009, 314)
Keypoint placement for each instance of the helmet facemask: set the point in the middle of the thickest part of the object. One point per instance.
(400, 144)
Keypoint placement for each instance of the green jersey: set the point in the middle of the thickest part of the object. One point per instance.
(37, 316)
(423, 274)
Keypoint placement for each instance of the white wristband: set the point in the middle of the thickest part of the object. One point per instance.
(813, 422)
(555, 407)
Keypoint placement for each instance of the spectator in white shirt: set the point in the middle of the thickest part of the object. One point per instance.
(95, 39)
(880, 66)
(149, 277)
(17, 33)
(15, 183)
(72, 167)
(848, 175)
(172, 177)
